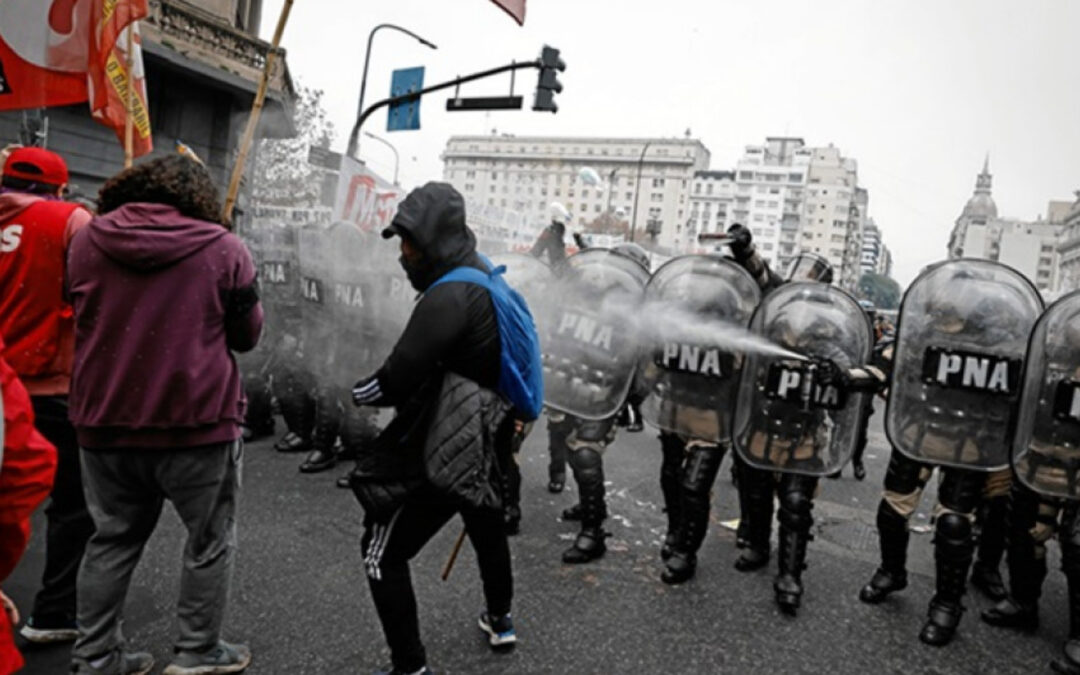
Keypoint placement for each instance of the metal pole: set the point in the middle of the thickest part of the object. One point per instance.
(367, 60)
(637, 190)
(611, 187)
(397, 159)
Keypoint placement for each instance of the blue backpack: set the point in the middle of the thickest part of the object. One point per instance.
(521, 380)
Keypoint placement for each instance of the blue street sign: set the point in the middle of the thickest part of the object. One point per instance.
(405, 116)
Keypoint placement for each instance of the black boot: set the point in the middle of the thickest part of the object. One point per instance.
(589, 472)
(671, 487)
(557, 451)
(756, 504)
(1020, 609)
(327, 427)
(700, 471)
(953, 551)
(298, 410)
(795, 523)
(1069, 661)
(891, 576)
(985, 575)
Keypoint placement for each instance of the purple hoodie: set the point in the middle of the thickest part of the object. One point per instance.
(159, 301)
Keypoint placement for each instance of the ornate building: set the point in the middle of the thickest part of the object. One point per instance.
(203, 60)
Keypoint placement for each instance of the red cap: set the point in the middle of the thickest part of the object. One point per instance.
(37, 165)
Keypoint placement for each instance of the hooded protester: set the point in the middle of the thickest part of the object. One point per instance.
(162, 293)
(451, 348)
(36, 227)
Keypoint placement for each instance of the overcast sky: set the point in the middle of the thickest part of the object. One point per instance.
(916, 91)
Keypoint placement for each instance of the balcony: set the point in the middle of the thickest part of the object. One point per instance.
(177, 29)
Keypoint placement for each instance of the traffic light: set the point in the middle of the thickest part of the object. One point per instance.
(548, 85)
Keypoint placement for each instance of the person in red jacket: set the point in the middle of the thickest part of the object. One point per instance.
(163, 294)
(26, 475)
(36, 324)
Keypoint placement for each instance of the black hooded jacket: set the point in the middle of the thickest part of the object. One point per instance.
(453, 326)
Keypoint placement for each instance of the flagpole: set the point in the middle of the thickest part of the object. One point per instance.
(253, 119)
(129, 103)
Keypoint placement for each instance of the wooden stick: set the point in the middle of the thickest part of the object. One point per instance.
(129, 99)
(253, 119)
(453, 555)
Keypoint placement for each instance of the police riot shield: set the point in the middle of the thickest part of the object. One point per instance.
(275, 251)
(960, 347)
(586, 333)
(316, 285)
(785, 418)
(1046, 450)
(689, 378)
(527, 275)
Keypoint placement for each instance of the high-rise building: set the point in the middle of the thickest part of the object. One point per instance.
(712, 203)
(770, 184)
(203, 61)
(646, 181)
(871, 247)
(1068, 249)
(1030, 247)
(833, 211)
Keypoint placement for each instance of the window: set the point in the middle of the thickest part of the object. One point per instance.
(570, 192)
(746, 175)
(795, 177)
(656, 197)
(629, 196)
(657, 182)
(774, 191)
(773, 205)
(558, 192)
(758, 204)
(585, 194)
(697, 189)
(597, 209)
(768, 246)
(494, 175)
(758, 218)
(470, 174)
(469, 187)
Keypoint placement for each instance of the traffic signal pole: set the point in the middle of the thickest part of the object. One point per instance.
(547, 86)
(407, 98)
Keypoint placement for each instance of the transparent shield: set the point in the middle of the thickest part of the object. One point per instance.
(960, 349)
(1046, 451)
(527, 275)
(690, 378)
(785, 420)
(586, 331)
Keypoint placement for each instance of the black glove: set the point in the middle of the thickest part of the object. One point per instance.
(742, 242)
(580, 241)
(829, 373)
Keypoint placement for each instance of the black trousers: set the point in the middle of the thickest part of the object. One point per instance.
(68, 523)
(390, 544)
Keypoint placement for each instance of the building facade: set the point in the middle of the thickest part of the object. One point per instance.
(712, 203)
(1030, 247)
(1068, 249)
(833, 213)
(203, 61)
(646, 181)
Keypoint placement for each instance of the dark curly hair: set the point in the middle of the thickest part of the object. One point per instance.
(174, 180)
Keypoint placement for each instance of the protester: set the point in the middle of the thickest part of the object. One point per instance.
(27, 468)
(442, 376)
(162, 292)
(36, 227)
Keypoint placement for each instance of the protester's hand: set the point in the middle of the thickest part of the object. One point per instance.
(741, 240)
(580, 241)
(7, 151)
(9, 608)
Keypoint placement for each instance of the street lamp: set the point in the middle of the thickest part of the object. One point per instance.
(397, 159)
(611, 187)
(637, 189)
(354, 142)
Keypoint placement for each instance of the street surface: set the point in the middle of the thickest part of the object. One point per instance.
(301, 602)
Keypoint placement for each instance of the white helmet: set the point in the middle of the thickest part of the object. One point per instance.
(559, 214)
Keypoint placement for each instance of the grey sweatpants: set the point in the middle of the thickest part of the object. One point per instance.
(125, 490)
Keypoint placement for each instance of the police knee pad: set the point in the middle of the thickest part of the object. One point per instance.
(595, 431)
(701, 468)
(953, 529)
(586, 460)
(795, 509)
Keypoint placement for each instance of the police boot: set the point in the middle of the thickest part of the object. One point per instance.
(1020, 609)
(327, 426)
(984, 573)
(1069, 661)
(298, 410)
(700, 472)
(671, 487)
(795, 523)
(589, 473)
(953, 551)
(756, 502)
(891, 576)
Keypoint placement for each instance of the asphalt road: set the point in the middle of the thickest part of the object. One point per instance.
(301, 602)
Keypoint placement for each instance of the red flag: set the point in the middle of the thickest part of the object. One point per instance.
(515, 8)
(43, 49)
(59, 52)
(107, 73)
